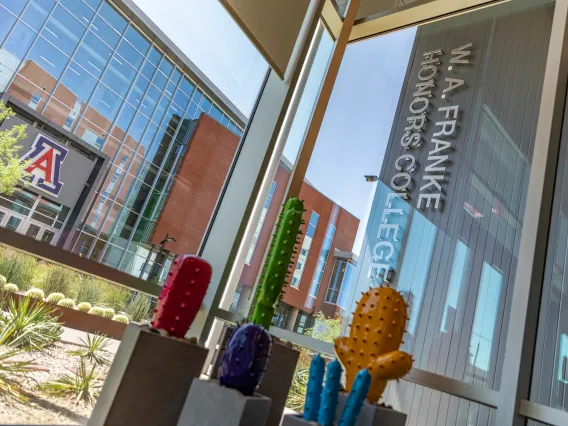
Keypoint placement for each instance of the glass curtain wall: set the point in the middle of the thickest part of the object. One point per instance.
(87, 68)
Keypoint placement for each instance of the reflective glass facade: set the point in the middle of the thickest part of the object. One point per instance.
(88, 69)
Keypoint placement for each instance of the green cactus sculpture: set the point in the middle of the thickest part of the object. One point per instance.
(67, 303)
(2, 281)
(11, 288)
(98, 311)
(280, 255)
(121, 318)
(84, 307)
(35, 293)
(55, 297)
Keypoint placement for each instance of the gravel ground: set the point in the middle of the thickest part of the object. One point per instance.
(43, 409)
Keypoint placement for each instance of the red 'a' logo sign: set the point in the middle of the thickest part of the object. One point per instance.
(45, 168)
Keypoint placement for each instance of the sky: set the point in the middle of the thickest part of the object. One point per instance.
(357, 124)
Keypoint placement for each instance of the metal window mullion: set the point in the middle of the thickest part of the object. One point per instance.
(58, 83)
(18, 20)
(38, 36)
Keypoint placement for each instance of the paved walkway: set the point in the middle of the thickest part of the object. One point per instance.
(70, 335)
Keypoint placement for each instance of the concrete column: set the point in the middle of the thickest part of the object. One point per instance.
(291, 321)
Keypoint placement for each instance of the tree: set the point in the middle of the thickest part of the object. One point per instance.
(325, 329)
(12, 168)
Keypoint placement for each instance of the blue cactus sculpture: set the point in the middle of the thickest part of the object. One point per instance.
(244, 361)
(356, 398)
(330, 394)
(315, 385)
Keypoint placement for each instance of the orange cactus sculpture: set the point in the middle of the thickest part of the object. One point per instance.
(379, 323)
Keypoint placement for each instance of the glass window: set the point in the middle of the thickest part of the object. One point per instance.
(20, 40)
(160, 80)
(129, 53)
(137, 40)
(150, 101)
(166, 66)
(215, 113)
(260, 223)
(197, 95)
(138, 126)
(105, 32)
(106, 102)
(170, 90)
(79, 9)
(138, 90)
(161, 109)
(119, 76)
(205, 104)
(114, 18)
(154, 56)
(172, 118)
(6, 22)
(47, 57)
(76, 86)
(63, 30)
(176, 76)
(320, 266)
(93, 54)
(181, 100)
(14, 6)
(148, 70)
(187, 86)
(148, 138)
(93, 3)
(305, 250)
(36, 13)
(124, 119)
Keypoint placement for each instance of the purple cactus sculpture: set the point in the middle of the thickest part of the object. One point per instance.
(245, 358)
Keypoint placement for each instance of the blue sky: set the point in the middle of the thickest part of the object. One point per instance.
(357, 125)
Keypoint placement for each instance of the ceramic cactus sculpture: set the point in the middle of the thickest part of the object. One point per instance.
(182, 295)
(379, 323)
(244, 361)
(278, 261)
(84, 307)
(67, 303)
(315, 386)
(55, 297)
(330, 394)
(356, 398)
(35, 293)
(11, 288)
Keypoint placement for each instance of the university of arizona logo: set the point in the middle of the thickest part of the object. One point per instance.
(45, 168)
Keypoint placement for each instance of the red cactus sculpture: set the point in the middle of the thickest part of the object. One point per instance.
(182, 295)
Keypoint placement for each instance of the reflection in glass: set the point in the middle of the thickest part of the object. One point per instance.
(19, 41)
(260, 222)
(63, 30)
(36, 13)
(111, 16)
(14, 6)
(305, 250)
(50, 59)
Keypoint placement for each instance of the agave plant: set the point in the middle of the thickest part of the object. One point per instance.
(94, 349)
(30, 325)
(85, 385)
(12, 370)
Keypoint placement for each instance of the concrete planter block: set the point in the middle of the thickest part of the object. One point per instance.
(373, 415)
(296, 420)
(208, 403)
(277, 379)
(148, 381)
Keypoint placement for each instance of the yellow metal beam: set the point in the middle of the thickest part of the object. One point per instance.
(331, 19)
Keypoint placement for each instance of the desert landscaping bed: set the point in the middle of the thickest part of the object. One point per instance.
(43, 408)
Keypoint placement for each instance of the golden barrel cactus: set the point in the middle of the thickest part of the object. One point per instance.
(379, 323)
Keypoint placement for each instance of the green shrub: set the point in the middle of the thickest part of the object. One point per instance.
(35, 293)
(121, 318)
(17, 268)
(88, 289)
(55, 297)
(139, 308)
(67, 303)
(94, 349)
(115, 297)
(58, 280)
(98, 311)
(108, 313)
(30, 325)
(11, 288)
(84, 386)
(3, 281)
(84, 307)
